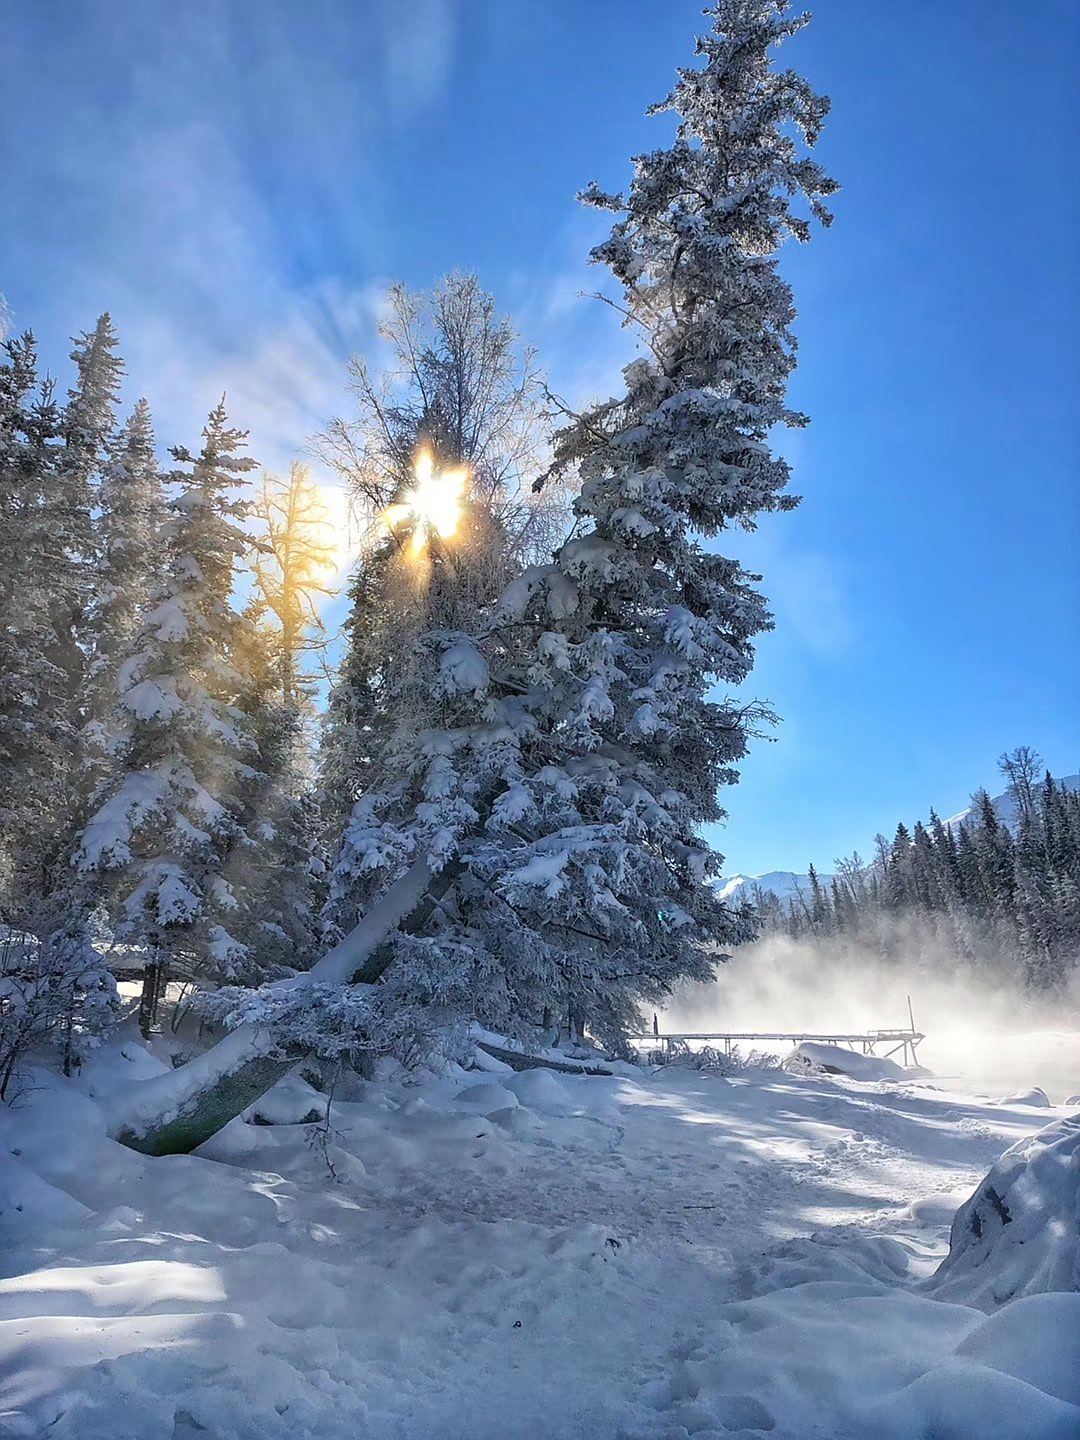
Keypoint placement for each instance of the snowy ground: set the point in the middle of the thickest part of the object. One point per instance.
(506, 1256)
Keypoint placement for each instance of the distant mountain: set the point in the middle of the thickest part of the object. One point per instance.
(1006, 807)
(786, 884)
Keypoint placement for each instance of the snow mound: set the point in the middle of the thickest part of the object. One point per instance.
(487, 1098)
(1071, 1100)
(1034, 1096)
(540, 1090)
(25, 1197)
(292, 1101)
(1019, 1234)
(1036, 1340)
(933, 1211)
(835, 1060)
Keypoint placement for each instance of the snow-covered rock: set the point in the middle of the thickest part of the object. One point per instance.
(1035, 1096)
(1019, 1233)
(836, 1060)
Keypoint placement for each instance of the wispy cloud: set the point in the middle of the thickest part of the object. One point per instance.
(418, 50)
(582, 345)
(222, 196)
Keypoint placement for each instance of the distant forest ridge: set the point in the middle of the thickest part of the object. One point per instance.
(997, 884)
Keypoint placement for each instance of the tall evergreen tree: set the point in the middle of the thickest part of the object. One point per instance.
(52, 458)
(579, 747)
(166, 823)
(271, 865)
(56, 987)
(462, 396)
(36, 713)
(129, 563)
(898, 878)
(351, 738)
(88, 422)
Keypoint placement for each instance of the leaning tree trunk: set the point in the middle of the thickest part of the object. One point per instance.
(174, 1113)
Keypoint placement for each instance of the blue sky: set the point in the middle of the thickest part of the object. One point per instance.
(237, 182)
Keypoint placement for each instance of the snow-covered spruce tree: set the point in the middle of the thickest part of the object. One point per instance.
(166, 822)
(32, 689)
(53, 458)
(422, 587)
(57, 992)
(129, 566)
(580, 744)
(349, 740)
(53, 985)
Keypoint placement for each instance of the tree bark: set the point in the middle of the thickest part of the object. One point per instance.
(153, 987)
(174, 1113)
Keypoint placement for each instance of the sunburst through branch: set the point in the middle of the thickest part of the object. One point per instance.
(433, 506)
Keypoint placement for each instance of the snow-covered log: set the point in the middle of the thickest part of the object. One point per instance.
(174, 1113)
(520, 1060)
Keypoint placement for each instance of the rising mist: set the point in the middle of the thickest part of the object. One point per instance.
(980, 1027)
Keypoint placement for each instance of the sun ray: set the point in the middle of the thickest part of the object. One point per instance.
(336, 528)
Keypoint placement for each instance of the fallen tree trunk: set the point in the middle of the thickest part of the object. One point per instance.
(519, 1060)
(174, 1113)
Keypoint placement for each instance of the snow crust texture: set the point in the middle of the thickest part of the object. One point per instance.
(501, 1255)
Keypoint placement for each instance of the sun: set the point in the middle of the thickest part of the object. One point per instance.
(433, 505)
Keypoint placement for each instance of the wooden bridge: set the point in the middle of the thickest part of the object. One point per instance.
(865, 1042)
